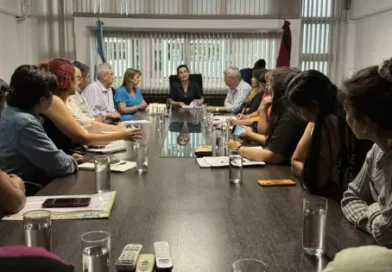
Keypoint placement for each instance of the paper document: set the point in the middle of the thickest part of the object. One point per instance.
(100, 207)
(110, 148)
(224, 162)
(120, 167)
(136, 122)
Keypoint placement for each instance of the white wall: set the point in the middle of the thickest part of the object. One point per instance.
(9, 45)
(370, 33)
(363, 8)
(85, 26)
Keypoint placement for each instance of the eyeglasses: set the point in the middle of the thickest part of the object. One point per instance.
(86, 77)
(77, 79)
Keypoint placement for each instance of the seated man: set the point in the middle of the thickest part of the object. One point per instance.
(12, 193)
(238, 91)
(99, 94)
(78, 99)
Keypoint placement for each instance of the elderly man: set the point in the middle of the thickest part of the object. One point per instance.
(238, 91)
(99, 94)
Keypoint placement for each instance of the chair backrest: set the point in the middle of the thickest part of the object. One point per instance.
(246, 75)
(198, 78)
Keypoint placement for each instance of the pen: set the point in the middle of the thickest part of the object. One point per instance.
(242, 112)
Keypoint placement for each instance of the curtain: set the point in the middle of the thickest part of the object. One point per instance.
(157, 55)
(55, 30)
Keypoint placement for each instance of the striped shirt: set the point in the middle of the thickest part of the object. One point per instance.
(235, 97)
(83, 104)
(368, 201)
(99, 98)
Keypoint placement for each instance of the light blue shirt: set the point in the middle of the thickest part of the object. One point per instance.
(122, 96)
(27, 151)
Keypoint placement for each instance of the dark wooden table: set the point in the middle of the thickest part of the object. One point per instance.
(208, 222)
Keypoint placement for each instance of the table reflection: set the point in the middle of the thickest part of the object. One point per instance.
(182, 139)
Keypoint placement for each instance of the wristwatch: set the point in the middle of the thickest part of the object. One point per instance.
(216, 109)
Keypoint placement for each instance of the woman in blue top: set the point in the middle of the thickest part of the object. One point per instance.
(128, 97)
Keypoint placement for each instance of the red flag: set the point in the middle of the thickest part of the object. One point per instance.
(285, 47)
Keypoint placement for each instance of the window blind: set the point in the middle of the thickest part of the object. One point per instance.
(276, 8)
(157, 55)
(316, 35)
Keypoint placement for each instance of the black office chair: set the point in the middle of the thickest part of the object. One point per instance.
(246, 75)
(198, 78)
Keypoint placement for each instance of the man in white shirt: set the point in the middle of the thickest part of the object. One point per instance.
(238, 91)
(99, 93)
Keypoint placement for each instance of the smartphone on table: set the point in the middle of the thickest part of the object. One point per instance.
(66, 202)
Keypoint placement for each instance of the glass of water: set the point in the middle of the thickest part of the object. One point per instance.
(235, 166)
(38, 229)
(141, 157)
(315, 222)
(102, 173)
(249, 265)
(96, 251)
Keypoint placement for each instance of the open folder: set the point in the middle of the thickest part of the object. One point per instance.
(100, 207)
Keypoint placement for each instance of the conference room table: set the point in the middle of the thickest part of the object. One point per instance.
(208, 222)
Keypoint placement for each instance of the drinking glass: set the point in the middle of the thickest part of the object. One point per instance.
(315, 221)
(249, 265)
(141, 157)
(235, 166)
(38, 229)
(102, 173)
(95, 251)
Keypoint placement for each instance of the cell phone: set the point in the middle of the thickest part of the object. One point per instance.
(238, 130)
(66, 202)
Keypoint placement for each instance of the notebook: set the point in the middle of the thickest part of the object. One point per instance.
(100, 207)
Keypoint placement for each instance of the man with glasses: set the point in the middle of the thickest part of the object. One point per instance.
(79, 98)
(99, 93)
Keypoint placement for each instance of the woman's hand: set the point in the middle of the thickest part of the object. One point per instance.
(78, 157)
(120, 127)
(143, 105)
(266, 103)
(231, 121)
(133, 134)
(246, 133)
(232, 144)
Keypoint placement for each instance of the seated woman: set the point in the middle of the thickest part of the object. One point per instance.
(128, 97)
(284, 130)
(185, 92)
(253, 100)
(61, 117)
(367, 203)
(322, 146)
(25, 148)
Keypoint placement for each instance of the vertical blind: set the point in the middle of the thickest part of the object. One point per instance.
(276, 8)
(157, 55)
(316, 35)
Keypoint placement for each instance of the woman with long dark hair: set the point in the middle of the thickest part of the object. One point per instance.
(184, 92)
(325, 157)
(284, 130)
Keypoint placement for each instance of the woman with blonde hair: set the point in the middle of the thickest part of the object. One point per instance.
(128, 97)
